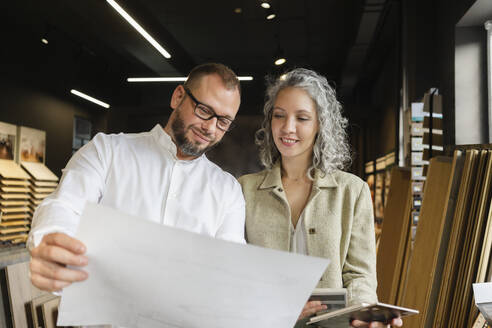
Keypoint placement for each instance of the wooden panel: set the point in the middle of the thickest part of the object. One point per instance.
(15, 238)
(14, 196)
(14, 223)
(14, 209)
(14, 189)
(20, 291)
(5, 231)
(5, 217)
(39, 171)
(14, 202)
(50, 313)
(10, 170)
(476, 242)
(39, 196)
(44, 183)
(463, 203)
(393, 237)
(427, 240)
(9, 182)
(485, 215)
(460, 298)
(43, 190)
(35, 305)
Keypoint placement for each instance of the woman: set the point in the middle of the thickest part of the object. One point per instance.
(303, 202)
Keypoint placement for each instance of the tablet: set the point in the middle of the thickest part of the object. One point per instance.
(365, 312)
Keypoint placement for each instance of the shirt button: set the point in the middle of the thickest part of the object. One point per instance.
(280, 189)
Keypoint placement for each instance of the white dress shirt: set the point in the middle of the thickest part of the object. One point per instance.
(140, 174)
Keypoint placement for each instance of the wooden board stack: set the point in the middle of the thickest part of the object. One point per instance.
(453, 243)
(43, 182)
(15, 213)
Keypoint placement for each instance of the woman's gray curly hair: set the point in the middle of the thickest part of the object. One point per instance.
(331, 150)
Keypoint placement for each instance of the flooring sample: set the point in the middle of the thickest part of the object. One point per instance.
(44, 183)
(428, 237)
(5, 217)
(14, 223)
(43, 190)
(14, 209)
(14, 202)
(5, 231)
(39, 171)
(15, 238)
(8, 182)
(456, 240)
(467, 261)
(393, 236)
(14, 189)
(14, 196)
(49, 311)
(35, 308)
(20, 291)
(10, 170)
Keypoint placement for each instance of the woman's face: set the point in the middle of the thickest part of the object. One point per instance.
(294, 123)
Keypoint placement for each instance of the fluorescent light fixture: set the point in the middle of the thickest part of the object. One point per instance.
(270, 16)
(86, 97)
(174, 79)
(265, 5)
(45, 41)
(139, 28)
(156, 79)
(280, 61)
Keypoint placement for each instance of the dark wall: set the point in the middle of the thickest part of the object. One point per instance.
(26, 106)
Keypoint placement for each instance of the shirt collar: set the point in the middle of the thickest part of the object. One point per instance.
(273, 178)
(167, 142)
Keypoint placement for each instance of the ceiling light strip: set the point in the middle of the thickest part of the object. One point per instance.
(139, 28)
(87, 97)
(174, 79)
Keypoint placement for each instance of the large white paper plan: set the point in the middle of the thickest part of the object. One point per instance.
(142, 274)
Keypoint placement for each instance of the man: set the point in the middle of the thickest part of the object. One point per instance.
(161, 175)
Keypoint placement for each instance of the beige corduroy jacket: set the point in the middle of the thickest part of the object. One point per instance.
(339, 226)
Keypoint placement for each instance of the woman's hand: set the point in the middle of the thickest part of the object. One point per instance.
(396, 322)
(311, 308)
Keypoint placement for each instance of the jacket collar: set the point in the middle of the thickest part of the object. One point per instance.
(273, 179)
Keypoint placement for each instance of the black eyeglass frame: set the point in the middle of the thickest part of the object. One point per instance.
(212, 114)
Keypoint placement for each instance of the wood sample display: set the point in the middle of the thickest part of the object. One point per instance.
(20, 292)
(442, 176)
(43, 182)
(393, 237)
(36, 310)
(14, 203)
(455, 244)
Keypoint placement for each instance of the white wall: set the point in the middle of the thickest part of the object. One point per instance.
(471, 86)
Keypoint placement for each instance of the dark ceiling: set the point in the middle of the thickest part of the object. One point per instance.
(92, 46)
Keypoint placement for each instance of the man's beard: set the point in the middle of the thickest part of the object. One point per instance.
(187, 146)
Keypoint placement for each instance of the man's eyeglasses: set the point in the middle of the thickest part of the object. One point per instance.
(206, 113)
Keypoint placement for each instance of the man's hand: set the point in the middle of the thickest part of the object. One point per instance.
(50, 258)
(397, 322)
(311, 308)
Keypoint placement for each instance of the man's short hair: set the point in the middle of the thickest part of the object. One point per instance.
(228, 77)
